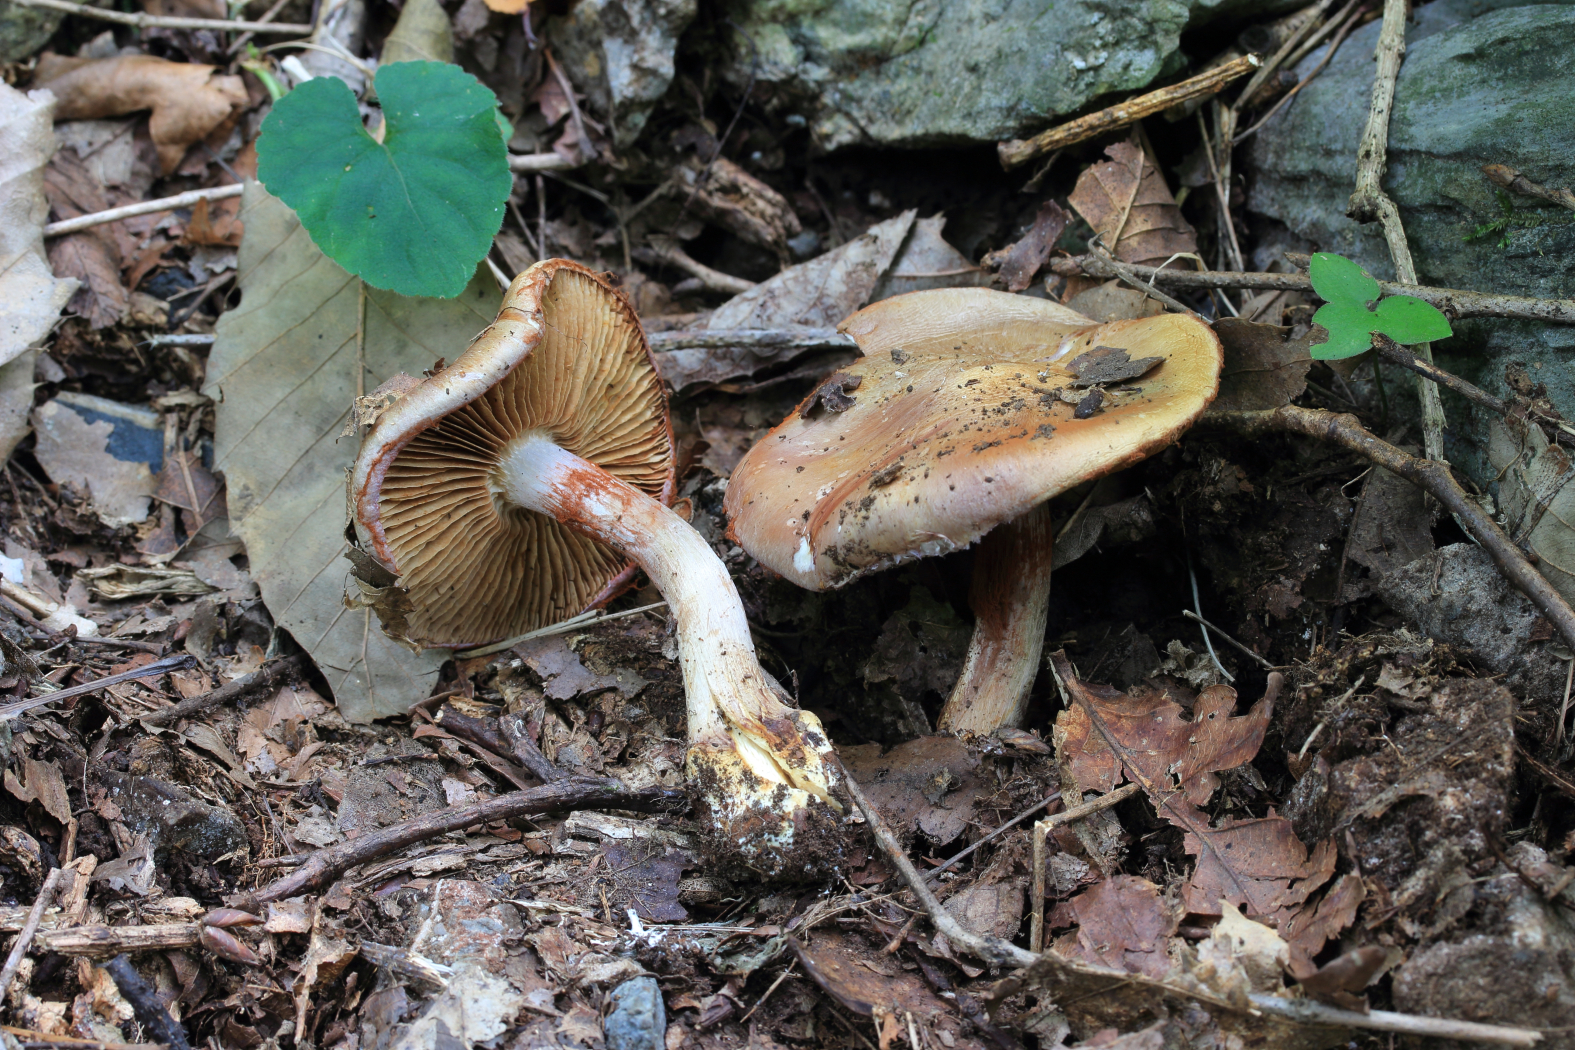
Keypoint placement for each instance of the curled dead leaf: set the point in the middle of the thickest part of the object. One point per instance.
(189, 100)
(1126, 201)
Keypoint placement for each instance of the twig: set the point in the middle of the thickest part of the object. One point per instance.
(180, 200)
(751, 339)
(1431, 476)
(267, 16)
(24, 939)
(125, 644)
(1276, 60)
(534, 162)
(1390, 350)
(145, 21)
(1261, 662)
(1129, 275)
(1024, 815)
(1308, 1012)
(144, 1000)
(30, 1039)
(1197, 604)
(259, 680)
(1217, 172)
(1452, 301)
(668, 251)
(1370, 203)
(1515, 182)
(1020, 151)
(325, 865)
(993, 950)
(1346, 26)
(173, 662)
(1042, 829)
(524, 748)
(582, 142)
(584, 619)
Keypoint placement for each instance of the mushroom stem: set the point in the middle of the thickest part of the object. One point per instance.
(745, 742)
(1010, 595)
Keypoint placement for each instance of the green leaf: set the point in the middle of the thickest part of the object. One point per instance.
(1409, 320)
(1337, 279)
(413, 214)
(1350, 331)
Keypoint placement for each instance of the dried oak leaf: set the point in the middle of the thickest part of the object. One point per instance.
(863, 979)
(1265, 365)
(1311, 928)
(1257, 864)
(1122, 923)
(1019, 262)
(1126, 200)
(1151, 733)
(189, 100)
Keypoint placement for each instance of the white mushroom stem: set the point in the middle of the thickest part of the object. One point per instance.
(1010, 595)
(730, 700)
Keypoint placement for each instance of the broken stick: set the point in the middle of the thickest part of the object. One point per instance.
(259, 680)
(326, 865)
(1017, 152)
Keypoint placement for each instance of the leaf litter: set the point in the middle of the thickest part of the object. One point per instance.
(1340, 839)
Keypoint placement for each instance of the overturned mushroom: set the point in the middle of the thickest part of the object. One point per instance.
(510, 489)
(969, 410)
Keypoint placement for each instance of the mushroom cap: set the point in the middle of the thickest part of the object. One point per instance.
(566, 357)
(955, 426)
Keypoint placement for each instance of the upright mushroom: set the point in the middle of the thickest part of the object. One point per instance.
(969, 409)
(510, 489)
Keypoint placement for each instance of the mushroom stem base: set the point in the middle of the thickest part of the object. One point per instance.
(763, 770)
(1010, 595)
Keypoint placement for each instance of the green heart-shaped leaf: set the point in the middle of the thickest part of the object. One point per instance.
(1409, 320)
(1350, 331)
(1337, 279)
(413, 214)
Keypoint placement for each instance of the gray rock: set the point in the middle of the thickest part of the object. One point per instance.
(1483, 82)
(24, 30)
(1512, 963)
(1459, 597)
(925, 72)
(620, 54)
(638, 1020)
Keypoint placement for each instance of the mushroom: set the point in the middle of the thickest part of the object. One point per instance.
(968, 411)
(510, 490)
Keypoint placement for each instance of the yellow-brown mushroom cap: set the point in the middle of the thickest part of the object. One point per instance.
(958, 423)
(566, 357)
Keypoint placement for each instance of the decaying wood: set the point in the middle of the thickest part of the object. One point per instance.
(1430, 475)
(322, 867)
(1020, 151)
(794, 339)
(1454, 302)
(24, 939)
(1370, 202)
(259, 680)
(101, 942)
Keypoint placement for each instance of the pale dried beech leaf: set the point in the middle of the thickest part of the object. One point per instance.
(1128, 187)
(278, 444)
(1536, 497)
(188, 100)
(30, 296)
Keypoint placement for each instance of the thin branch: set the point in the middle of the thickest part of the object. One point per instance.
(751, 339)
(1370, 203)
(258, 681)
(1042, 829)
(326, 865)
(1261, 662)
(145, 21)
(961, 855)
(1020, 151)
(668, 251)
(267, 16)
(1452, 301)
(1129, 274)
(180, 200)
(1429, 475)
(993, 950)
(540, 162)
(24, 940)
(1348, 23)
(1272, 66)
(1512, 180)
(1308, 1012)
(173, 662)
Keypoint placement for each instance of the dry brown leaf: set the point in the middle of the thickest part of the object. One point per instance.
(1312, 928)
(43, 783)
(1258, 864)
(1126, 200)
(1018, 263)
(189, 100)
(30, 294)
(853, 973)
(930, 784)
(1108, 729)
(185, 483)
(93, 256)
(1122, 923)
(1265, 365)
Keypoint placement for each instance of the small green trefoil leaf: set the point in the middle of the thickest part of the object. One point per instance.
(415, 213)
(1409, 320)
(1337, 279)
(1346, 289)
